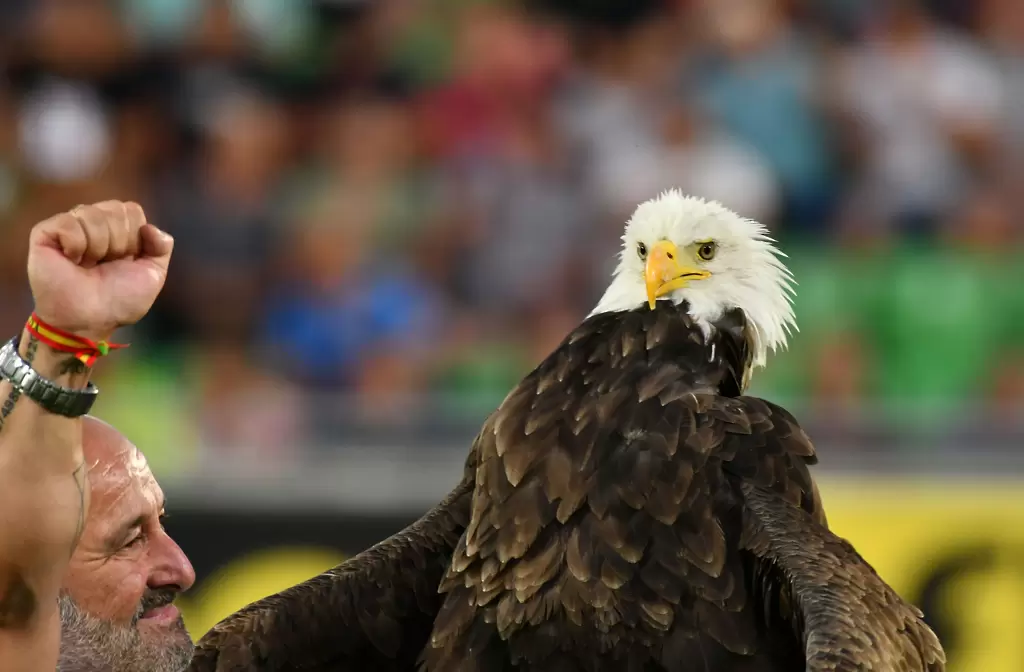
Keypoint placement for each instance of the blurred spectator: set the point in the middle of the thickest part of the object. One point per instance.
(959, 306)
(840, 375)
(338, 302)
(690, 154)
(1002, 24)
(503, 70)
(926, 102)
(222, 210)
(84, 38)
(10, 179)
(610, 112)
(65, 132)
(275, 26)
(763, 81)
(230, 387)
(368, 145)
(1007, 395)
(491, 130)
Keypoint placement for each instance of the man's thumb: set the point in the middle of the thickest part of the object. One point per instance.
(156, 244)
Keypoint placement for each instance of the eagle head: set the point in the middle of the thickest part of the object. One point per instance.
(681, 248)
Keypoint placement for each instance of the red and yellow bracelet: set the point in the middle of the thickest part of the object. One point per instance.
(83, 349)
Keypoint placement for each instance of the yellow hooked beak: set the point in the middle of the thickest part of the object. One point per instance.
(665, 274)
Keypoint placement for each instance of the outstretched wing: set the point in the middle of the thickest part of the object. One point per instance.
(635, 543)
(846, 616)
(372, 612)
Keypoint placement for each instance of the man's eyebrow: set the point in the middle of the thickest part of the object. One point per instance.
(120, 535)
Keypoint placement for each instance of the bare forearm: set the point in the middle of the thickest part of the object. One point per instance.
(43, 487)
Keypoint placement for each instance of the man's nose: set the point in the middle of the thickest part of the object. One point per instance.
(171, 566)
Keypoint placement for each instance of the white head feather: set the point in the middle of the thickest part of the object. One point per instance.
(746, 271)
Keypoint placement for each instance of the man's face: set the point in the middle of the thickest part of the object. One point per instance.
(116, 609)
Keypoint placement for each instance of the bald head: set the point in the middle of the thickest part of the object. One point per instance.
(110, 455)
(101, 442)
(117, 605)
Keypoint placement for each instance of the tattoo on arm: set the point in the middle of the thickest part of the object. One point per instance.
(8, 407)
(73, 366)
(15, 393)
(31, 348)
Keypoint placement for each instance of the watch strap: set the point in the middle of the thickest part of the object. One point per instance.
(49, 395)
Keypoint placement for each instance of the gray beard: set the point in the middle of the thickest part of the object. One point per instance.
(89, 644)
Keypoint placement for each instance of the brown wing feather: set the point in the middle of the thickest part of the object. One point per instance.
(372, 612)
(848, 617)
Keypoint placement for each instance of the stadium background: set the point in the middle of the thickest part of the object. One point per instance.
(386, 212)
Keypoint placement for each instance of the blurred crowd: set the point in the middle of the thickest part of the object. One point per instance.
(395, 208)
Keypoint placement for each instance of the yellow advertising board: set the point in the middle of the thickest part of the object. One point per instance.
(248, 578)
(955, 549)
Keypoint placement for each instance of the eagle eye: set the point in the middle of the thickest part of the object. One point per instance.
(707, 250)
(641, 250)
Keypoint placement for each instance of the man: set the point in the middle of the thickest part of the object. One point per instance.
(81, 544)
(116, 604)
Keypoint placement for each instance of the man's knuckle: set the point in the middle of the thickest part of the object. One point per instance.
(64, 222)
(134, 211)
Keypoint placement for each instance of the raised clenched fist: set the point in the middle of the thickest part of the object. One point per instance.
(97, 267)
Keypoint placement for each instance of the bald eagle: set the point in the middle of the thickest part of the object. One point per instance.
(627, 507)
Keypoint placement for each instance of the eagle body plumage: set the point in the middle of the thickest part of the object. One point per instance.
(626, 508)
(608, 513)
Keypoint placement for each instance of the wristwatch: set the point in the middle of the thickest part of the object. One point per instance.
(52, 397)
